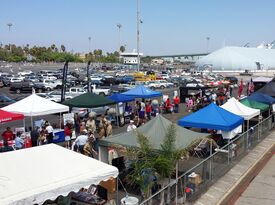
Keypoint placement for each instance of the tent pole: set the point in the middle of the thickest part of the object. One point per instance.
(117, 113)
(24, 123)
(31, 122)
(60, 120)
(247, 134)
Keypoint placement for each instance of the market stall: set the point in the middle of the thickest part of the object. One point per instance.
(32, 176)
(216, 118)
(35, 105)
(142, 92)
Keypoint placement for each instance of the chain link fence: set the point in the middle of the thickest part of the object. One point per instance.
(189, 186)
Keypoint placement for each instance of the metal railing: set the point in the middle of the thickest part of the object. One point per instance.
(191, 184)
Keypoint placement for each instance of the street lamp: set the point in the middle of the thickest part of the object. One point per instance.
(89, 38)
(10, 25)
(119, 40)
(138, 22)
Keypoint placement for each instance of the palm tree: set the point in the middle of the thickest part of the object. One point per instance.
(155, 163)
(63, 49)
(53, 47)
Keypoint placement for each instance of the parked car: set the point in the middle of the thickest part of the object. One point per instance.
(83, 112)
(5, 100)
(26, 87)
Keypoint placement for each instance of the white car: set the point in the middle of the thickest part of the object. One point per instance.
(155, 84)
(26, 72)
(15, 80)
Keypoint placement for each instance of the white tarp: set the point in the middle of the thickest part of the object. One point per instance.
(35, 105)
(33, 175)
(239, 58)
(234, 106)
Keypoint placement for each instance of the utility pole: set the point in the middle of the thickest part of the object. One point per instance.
(89, 38)
(138, 22)
(10, 25)
(119, 37)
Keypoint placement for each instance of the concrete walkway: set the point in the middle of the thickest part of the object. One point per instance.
(262, 189)
(222, 188)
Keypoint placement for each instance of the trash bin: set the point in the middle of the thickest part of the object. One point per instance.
(129, 200)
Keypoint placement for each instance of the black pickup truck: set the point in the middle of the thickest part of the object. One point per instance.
(26, 87)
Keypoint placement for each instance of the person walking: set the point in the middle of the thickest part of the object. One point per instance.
(148, 109)
(81, 140)
(176, 103)
(49, 130)
(68, 135)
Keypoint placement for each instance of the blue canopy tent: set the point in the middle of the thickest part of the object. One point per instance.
(260, 97)
(212, 117)
(142, 92)
(121, 98)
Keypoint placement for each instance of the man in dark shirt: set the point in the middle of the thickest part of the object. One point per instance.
(34, 136)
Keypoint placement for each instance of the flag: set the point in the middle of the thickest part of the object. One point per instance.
(240, 89)
(251, 87)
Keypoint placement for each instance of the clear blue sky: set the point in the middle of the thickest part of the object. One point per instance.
(169, 26)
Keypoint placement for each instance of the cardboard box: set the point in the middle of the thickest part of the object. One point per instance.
(110, 185)
(195, 179)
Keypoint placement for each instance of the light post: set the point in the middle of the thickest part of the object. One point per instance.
(207, 44)
(119, 39)
(10, 25)
(89, 38)
(138, 22)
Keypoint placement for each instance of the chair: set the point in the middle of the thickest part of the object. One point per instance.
(199, 150)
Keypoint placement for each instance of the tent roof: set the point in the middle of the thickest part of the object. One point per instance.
(35, 105)
(121, 98)
(142, 92)
(212, 117)
(88, 100)
(155, 130)
(261, 79)
(239, 58)
(268, 89)
(263, 98)
(234, 106)
(9, 116)
(254, 104)
(33, 175)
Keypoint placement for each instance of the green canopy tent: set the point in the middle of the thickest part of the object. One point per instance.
(254, 104)
(155, 129)
(88, 100)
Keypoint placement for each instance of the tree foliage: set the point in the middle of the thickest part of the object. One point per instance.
(13, 53)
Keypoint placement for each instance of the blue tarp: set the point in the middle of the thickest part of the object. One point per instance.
(142, 92)
(121, 98)
(212, 117)
(260, 97)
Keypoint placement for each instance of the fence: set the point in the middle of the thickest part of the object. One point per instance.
(191, 184)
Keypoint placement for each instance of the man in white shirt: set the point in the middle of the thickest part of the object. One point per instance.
(49, 130)
(81, 140)
(131, 126)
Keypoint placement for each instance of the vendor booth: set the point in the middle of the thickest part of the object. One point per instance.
(255, 105)
(155, 129)
(32, 176)
(9, 116)
(216, 118)
(268, 89)
(88, 100)
(35, 105)
(263, 98)
(142, 92)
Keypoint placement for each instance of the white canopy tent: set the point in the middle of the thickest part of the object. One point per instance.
(35, 105)
(234, 106)
(31, 176)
